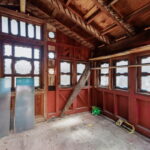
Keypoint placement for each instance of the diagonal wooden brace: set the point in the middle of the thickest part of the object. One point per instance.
(77, 88)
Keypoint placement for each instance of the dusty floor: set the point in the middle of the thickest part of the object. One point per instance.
(75, 132)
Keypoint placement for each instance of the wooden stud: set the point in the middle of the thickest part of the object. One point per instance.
(132, 51)
(111, 13)
(23, 6)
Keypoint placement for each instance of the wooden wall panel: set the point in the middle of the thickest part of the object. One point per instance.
(109, 102)
(82, 99)
(63, 97)
(98, 98)
(143, 108)
(122, 106)
(130, 104)
(39, 105)
(51, 102)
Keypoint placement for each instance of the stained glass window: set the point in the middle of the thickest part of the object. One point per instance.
(4, 24)
(30, 31)
(14, 26)
(22, 28)
(23, 67)
(21, 61)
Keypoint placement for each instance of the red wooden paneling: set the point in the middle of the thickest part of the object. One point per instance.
(63, 97)
(82, 99)
(67, 49)
(51, 102)
(128, 104)
(109, 102)
(122, 106)
(143, 108)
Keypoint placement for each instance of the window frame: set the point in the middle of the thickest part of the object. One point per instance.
(14, 59)
(115, 74)
(19, 27)
(79, 62)
(60, 73)
(100, 74)
(140, 74)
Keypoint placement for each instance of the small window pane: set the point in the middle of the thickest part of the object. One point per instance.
(146, 60)
(65, 67)
(51, 55)
(36, 81)
(36, 67)
(14, 26)
(51, 35)
(51, 71)
(23, 52)
(145, 83)
(78, 77)
(23, 67)
(19, 77)
(22, 28)
(7, 66)
(38, 32)
(105, 70)
(7, 50)
(65, 80)
(36, 53)
(104, 81)
(80, 68)
(146, 69)
(4, 24)
(8, 81)
(30, 31)
(122, 81)
(122, 69)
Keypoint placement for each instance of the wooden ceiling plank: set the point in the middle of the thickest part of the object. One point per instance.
(92, 17)
(128, 52)
(23, 6)
(111, 13)
(107, 29)
(141, 10)
(90, 12)
(66, 30)
(68, 2)
(77, 20)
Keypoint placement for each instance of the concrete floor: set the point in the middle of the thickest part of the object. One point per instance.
(75, 132)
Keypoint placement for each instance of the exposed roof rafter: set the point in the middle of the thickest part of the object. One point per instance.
(66, 30)
(77, 20)
(111, 13)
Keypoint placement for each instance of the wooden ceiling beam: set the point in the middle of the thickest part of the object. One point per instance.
(90, 12)
(93, 16)
(108, 29)
(66, 30)
(111, 13)
(140, 39)
(68, 2)
(23, 6)
(138, 11)
(56, 4)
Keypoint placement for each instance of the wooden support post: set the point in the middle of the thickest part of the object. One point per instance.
(77, 88)
(23, 6)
